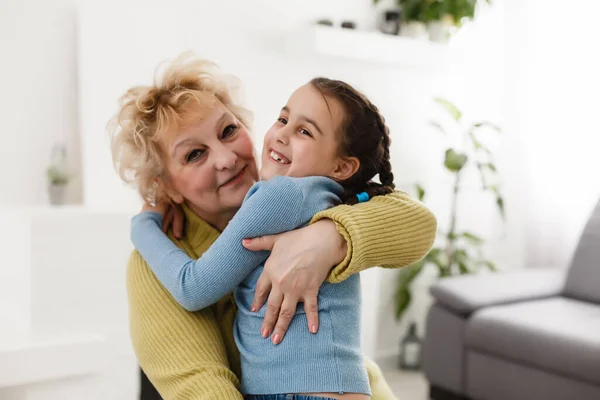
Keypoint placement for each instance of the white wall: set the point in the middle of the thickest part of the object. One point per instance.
(38, 106)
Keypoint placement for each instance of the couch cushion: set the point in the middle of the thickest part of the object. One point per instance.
(560, 335)
(583, 281)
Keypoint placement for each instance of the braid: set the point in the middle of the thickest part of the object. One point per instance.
(365, 136)
(386, 177)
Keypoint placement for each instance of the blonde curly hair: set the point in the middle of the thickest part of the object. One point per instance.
(147, 114)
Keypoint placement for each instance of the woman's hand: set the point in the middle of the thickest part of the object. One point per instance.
(172, 216)
(299, 263)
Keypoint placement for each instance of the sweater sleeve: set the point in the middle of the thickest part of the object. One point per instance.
(183, 354)
(388, 231)
(270, 208)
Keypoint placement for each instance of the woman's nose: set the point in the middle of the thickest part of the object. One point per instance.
(224, 158)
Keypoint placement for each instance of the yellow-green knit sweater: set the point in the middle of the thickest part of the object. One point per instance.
(193, 355)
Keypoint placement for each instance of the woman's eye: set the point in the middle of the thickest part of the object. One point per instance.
(305, 132)
(282, 120)
(193, 155)
(230, 130)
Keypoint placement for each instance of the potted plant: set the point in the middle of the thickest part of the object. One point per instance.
(439, 20)
(58, 177)
(434, 18)
(444, 16)
(458, 252)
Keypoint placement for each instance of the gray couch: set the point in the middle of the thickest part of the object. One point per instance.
(533, 334)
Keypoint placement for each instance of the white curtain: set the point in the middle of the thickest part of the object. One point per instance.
(556, 62)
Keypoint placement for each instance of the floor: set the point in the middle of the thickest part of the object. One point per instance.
(406, 385)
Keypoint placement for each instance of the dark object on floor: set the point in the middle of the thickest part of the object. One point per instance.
(410, 350)
(348, 24)
(437, 393)
(147, 390)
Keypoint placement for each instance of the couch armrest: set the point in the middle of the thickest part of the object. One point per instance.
(466, 294)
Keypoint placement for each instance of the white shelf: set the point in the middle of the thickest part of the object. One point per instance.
(373, 47)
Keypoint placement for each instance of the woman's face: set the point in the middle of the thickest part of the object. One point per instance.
(211, 165)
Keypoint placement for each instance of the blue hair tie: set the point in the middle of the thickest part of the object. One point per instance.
(362, 197)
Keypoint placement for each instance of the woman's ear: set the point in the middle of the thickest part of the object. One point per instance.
(345, 168)
(171, 193)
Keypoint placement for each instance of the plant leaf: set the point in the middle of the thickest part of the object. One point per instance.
(403, 300)
(449, 107)
(474, 239)
(486, 124)
(455, 161)
(463, 268)
(490, 265)
(438, 126)
(477, 144)
(403, 293)
(482, 174)
(439, 258)
(500, 204)
(420, 192)
(490, 166)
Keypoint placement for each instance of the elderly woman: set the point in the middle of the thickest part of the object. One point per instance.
(185, 140)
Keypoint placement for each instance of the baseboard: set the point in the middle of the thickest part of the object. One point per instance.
(437, 393)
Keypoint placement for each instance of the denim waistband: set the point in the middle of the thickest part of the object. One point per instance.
(285, 397)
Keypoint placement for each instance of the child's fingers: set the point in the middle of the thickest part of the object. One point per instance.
(260, 243)
(311, 308)
(272, 313)
(287, 312)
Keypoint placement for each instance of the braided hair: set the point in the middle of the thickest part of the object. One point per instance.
(364, 135)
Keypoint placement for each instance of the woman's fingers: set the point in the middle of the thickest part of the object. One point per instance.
(287, 312)
(263, 287)
(178, 218)
(272, 314)
(311, 308)
(167, 219)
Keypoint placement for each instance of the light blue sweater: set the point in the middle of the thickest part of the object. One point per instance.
(328, 361)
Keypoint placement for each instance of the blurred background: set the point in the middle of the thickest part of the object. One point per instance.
(493, 111)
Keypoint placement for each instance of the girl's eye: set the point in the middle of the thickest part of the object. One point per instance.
(193, 155)
(282, 120)
(230, 130)
(305, 132)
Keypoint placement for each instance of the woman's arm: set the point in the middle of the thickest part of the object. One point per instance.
(389, 231)
(183, 354)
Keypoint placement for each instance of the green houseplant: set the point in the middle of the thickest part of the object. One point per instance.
(440, 16)
(458, 252)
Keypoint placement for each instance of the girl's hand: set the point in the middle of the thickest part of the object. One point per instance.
(299, 263)
(172, 214)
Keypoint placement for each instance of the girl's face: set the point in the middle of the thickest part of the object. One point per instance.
(210, 165)
(304, 140)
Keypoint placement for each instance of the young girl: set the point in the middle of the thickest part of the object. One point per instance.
(327, 144)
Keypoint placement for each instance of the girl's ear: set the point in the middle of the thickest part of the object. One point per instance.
(345, 168)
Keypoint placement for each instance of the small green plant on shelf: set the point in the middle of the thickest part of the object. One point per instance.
(455, 11)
